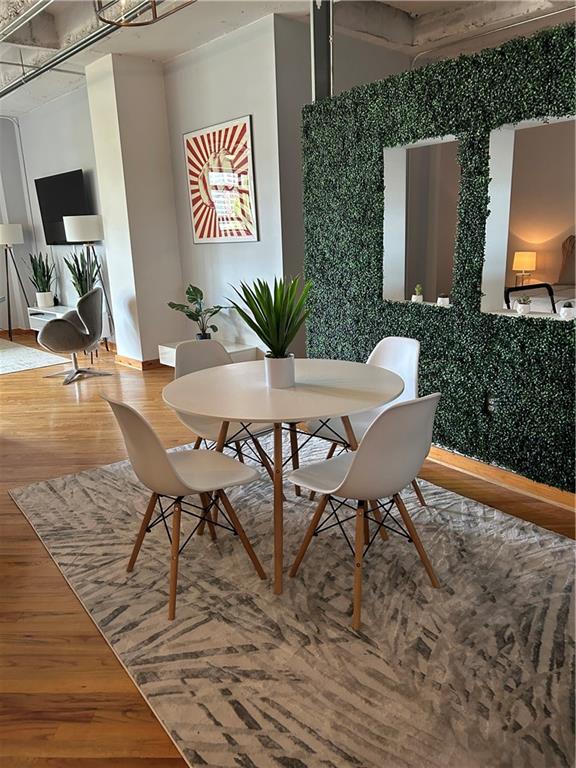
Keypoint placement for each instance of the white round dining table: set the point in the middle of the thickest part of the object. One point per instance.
(323, 389)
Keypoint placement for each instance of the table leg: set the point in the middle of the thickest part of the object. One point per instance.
(350, 436)
(222, 435)
(278, 510)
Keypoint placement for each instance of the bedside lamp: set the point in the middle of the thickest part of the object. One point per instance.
(524, 262)
(10, 235)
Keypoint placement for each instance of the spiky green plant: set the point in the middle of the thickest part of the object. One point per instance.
(42, 272)
(84, 272)
(274, 314)
(196, 311)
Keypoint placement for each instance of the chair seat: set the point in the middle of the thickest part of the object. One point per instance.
(209, 429)
(359, 421)
(323, 476)
(204, 471)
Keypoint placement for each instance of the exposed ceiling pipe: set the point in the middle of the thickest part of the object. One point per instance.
(22, 65)
(489, 32)
(80, 45)
(23, 18)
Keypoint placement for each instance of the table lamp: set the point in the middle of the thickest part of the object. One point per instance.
(10, 235)
(524, 262)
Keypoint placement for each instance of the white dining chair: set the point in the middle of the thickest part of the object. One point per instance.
(378, 470)
(398, 354)
(175, 476)
(192, 356)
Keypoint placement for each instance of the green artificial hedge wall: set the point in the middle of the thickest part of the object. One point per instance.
(525, 364)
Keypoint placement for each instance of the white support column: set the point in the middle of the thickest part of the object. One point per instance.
(132, 149)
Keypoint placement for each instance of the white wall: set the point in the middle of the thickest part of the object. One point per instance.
(56, 138)
(228, 78)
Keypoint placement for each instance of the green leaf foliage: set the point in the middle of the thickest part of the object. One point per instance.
(195, 309)
(42, 272)
(523, 364)
(276, 313)
(84, 271)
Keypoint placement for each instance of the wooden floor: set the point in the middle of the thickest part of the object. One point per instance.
(65, 700)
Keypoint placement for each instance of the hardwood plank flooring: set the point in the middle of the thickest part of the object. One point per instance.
(65, 700)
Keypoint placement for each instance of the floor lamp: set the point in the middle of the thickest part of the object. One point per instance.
(10, 235)
(87, 230)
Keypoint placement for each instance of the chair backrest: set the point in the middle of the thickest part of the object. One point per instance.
(192, 356)
(89, 309)
(145, 451)
(392, 450)
(400, 355)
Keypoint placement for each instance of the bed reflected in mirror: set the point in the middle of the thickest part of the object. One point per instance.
(421, 188)
(530, 230)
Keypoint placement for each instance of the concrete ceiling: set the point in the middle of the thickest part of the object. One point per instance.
(410, 26)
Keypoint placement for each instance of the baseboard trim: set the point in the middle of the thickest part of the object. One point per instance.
(140, 365)
(503, 477)
(17, 332)
(111, 345)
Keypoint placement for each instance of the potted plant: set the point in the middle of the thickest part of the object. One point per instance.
(275, 315)
(195, 310)
(42, 279)
(84, 272)
(443, 300)
(568, 311)
(418, 295)
(523, 305)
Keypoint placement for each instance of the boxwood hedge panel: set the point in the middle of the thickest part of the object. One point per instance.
(507, 382)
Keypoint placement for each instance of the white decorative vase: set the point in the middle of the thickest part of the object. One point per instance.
(44, 299)
(568, 313)
(279, 371)
(523, 309)
(443, 301)
(417, 298)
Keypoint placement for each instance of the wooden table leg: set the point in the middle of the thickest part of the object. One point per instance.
(220, 443)
(278, 511)
(350, 436)
(294, 452)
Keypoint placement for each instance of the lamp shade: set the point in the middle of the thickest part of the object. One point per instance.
(11, 234)
(83, 229)
(524, 261)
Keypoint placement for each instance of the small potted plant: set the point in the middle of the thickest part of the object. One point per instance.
(443, 300)
(196, 311)
(418, 295)
(568, 311)
(42, 279)
(523, 305)
(275, 314)
(84, 272)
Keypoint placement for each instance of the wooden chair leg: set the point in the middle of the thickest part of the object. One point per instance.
(174, 559)
(416, 539)
(328, 456)
(309, 533)
(206, 501)
(197, 443)
(294, 452)
(240, 531)
(373, 505)
(418, 492)
(366, 528)
(142, 532)
(239, 453)
(263, 458)
(358, 554)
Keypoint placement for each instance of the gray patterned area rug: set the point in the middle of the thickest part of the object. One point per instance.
(477, 674)
(18, 357)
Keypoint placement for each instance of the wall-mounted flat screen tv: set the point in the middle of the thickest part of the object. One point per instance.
(58, 196)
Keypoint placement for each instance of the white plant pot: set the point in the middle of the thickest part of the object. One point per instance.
(568, 313)
(523, 309)
(417, 298)
(279, 371)
(443, 301)
(44, 299)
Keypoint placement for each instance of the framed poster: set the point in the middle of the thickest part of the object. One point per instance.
(221, 182)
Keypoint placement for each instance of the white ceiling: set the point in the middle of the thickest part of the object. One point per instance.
(407, 25)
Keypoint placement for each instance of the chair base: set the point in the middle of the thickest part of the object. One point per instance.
(71, 374)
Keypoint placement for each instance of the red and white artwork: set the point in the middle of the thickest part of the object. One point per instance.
(221, 182)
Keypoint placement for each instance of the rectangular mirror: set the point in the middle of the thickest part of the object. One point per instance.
(531, 226)
(421, 188)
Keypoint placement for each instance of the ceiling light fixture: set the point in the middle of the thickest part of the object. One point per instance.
(129, 14)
